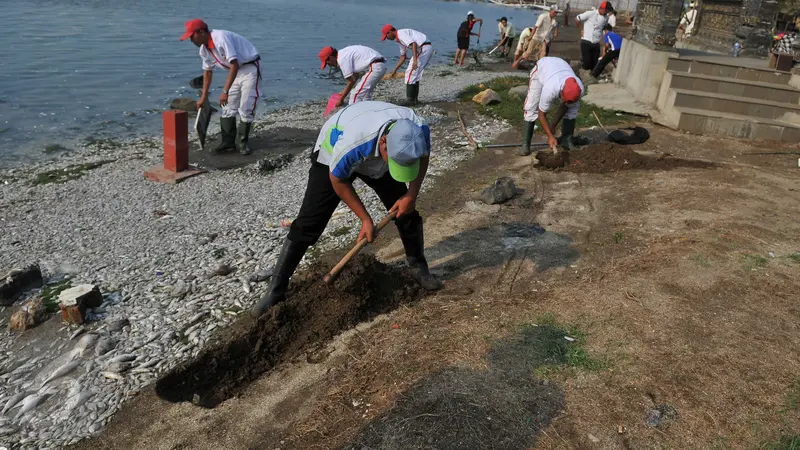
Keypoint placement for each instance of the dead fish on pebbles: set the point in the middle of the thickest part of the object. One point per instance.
(112, 376)
(123, 358)
(84, 344)
(61, 371)
(28, 404)
(13, 401)
(104, 345)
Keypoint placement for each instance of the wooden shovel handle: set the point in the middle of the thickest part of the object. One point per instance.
(354, 251)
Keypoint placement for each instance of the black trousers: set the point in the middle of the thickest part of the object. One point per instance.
(320, 201)
(590, 53)
(610, 56)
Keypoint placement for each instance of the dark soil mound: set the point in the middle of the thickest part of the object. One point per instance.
(313, 314)
(606, 158)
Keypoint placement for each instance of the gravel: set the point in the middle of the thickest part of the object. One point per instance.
(158, 253)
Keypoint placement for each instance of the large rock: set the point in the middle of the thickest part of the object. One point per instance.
(30, 314)
(502, 190)
(576, 65)
(487, 97)
(184, 104)
(76, 300)
(17, 281)
(519, 92)
(196, 82)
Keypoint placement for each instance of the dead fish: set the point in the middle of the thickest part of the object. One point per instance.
(84, 344)
(123, 358)
(12, 402)
(77, 333)
(4, 431)
(28, 404)
(139, 370)
(197, 317)
(119, 367)
(112, 375)
(61, 371)
(246, 287)
(150, 363)
(103, 346)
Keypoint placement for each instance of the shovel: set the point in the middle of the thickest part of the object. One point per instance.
(354, 251)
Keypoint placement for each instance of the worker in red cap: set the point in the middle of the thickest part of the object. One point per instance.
(239, 97)
(421, 52)
(552, 81)
(352, 61)
(591, 24)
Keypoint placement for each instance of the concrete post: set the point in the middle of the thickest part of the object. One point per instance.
(176, 151)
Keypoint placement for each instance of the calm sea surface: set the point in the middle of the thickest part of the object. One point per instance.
(106, 68)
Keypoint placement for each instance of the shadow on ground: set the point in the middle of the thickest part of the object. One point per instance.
(503, 407)
(493, 246)
(282, 140)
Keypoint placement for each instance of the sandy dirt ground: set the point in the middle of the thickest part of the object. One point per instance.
(646, 307)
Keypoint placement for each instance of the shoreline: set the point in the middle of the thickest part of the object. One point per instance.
(153, 249)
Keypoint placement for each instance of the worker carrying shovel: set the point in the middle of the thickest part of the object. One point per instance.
(552, 81)
(384, 145)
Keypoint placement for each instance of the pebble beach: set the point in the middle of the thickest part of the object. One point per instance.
(175, 263)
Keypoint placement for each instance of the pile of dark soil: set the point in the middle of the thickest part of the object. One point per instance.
(604, 158)
(313, 314)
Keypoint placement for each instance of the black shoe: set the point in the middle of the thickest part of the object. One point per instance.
(243, 137)
(527, 135)
(227, 126)
(290, 257)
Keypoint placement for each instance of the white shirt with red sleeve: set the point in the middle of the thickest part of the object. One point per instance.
(407, 36)
(225, 46)
(356, 59)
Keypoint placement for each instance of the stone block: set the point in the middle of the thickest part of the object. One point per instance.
(487, 97)
(76, 300)
(519, 92)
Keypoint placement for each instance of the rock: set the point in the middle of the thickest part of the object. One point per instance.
(222, 270)
(503, 189)
(184, 104)
(179, 289)
(519, 92)
(586, 78)
(273, 162)
(487, 97)
(76, 300)
(17, 281)
(30, 314)
(196, 82)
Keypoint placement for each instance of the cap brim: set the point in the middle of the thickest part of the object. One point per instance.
(383, 38)
(187, 35)
(403, 174)
(324, 63)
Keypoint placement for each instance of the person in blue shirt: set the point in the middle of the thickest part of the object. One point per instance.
(612, 43)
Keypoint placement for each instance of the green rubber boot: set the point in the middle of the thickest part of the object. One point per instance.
(527, 135)
(227, 126)
(243, 137)
(567, 131)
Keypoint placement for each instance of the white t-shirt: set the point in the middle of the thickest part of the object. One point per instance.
(355, 59)
(593, 24)
(552, 31)
(348, 142)
(407, 36)
(544, 24)
(508, 30)
(523, 37)
(225, 46)
(552, 72)
(612, 20)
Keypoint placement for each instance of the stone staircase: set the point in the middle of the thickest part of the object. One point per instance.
(724, 99)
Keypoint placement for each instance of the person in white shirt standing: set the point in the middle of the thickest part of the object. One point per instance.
(239, 97)
(688, 20)
(591, 24)
(421, 52)
(552, 81)
(352, 61)
(536, 48)
(612, 19)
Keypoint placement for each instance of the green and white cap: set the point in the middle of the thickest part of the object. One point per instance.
(405, 145)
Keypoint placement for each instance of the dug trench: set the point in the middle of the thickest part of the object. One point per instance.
(604, 158)
(314, 313)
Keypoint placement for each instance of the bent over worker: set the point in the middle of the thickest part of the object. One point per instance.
(353, 60)
(552, 81)
(384, 145)
(239, 97)
(421, 52)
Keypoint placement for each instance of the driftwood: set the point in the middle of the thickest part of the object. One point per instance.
(18, 281)
(466, 133)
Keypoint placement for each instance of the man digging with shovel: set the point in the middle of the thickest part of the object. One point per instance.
(384, 145)
(552, 81)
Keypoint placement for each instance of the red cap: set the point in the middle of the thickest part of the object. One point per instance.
(571, 91)
(385, 30)
(324, 55)
(606, 5)
(192, 26)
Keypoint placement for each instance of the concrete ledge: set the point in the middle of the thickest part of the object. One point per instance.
(731, 125)
(641, 70)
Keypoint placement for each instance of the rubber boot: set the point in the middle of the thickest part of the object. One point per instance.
(415, 93)
(414, 244)
(567, 131)
(527, 135)
(289, 259)
(409, 95)
(243, 137)
(227, 126)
